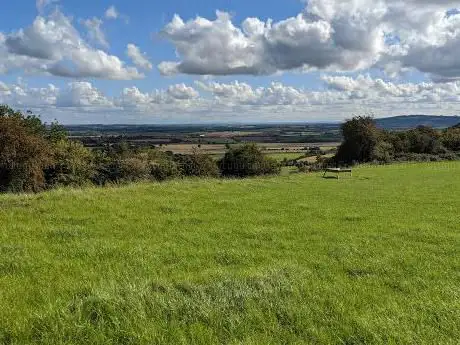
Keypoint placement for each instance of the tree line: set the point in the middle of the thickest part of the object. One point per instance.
(35, 157)
(364, 142)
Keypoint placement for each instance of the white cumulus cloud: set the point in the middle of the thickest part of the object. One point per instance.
(138, 58)
(332, 35)
(53, 46)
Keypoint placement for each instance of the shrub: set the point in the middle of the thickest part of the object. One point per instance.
(424, 140)
(383, 152)
(197, 164)
(164, 170)
(122, 170)
(451, 138)
(24, 152)
(247, 160)
(73, 165)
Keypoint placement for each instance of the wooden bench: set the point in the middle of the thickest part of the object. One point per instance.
(338, 171)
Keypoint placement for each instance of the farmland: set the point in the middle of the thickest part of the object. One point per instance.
(276, 260)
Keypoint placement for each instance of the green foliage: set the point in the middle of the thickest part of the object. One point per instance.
(363, 142)
(132, 169)
(28, 120)
(383, 152)
(278, 260)
(451, 138)
(197, 164)
(164, 169)
(424, 140)
(360, 137)
(57, 132)
(24, 153)
(247, 160)
(73, 164)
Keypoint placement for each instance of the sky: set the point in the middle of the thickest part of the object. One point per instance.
(229, 61)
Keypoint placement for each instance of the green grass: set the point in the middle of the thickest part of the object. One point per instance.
(373, 259)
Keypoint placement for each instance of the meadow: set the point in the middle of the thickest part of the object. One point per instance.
(296, 259)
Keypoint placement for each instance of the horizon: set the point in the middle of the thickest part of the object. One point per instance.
(253, 123)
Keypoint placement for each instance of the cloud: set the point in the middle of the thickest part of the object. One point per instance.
(275, 95)
(111, 13)
(218, 47)
(179, 96)
(42, 4)
(95, 31)
(138, 58)
(236, 101)
(20, 95)
(53, 46)
(181, 92)
(331, 35)
(378, 90)
(82, 94)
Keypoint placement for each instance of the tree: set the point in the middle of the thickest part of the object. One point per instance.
(451, 138)
(424, 140)
(57, 132)
(383, 152)
(247, 160)
(24, 152)
(29, 120)
(360, 135)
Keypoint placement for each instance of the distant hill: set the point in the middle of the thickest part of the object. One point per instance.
(413, 121)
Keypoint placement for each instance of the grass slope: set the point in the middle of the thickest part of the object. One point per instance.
(286, 260)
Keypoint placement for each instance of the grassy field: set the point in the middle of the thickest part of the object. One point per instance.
(373, 259)
(289, 156)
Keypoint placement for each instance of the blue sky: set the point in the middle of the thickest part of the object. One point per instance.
(253, 61)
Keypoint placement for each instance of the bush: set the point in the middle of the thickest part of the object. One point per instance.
(133, 169)
(247, 160)
(164, 170)
(73, 165)
(24, 152)
(424, 140)
(197, 164)
(451, 138)
(383, 152)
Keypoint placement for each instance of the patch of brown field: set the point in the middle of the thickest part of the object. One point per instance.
(214, 149)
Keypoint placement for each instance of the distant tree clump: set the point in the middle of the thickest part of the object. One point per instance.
(364, 142)
(247, 160)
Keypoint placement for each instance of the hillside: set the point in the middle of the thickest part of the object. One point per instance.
(413, 121)
(283, 260)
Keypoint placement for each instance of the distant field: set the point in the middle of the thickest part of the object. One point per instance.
(219, 149)
(373, 259)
